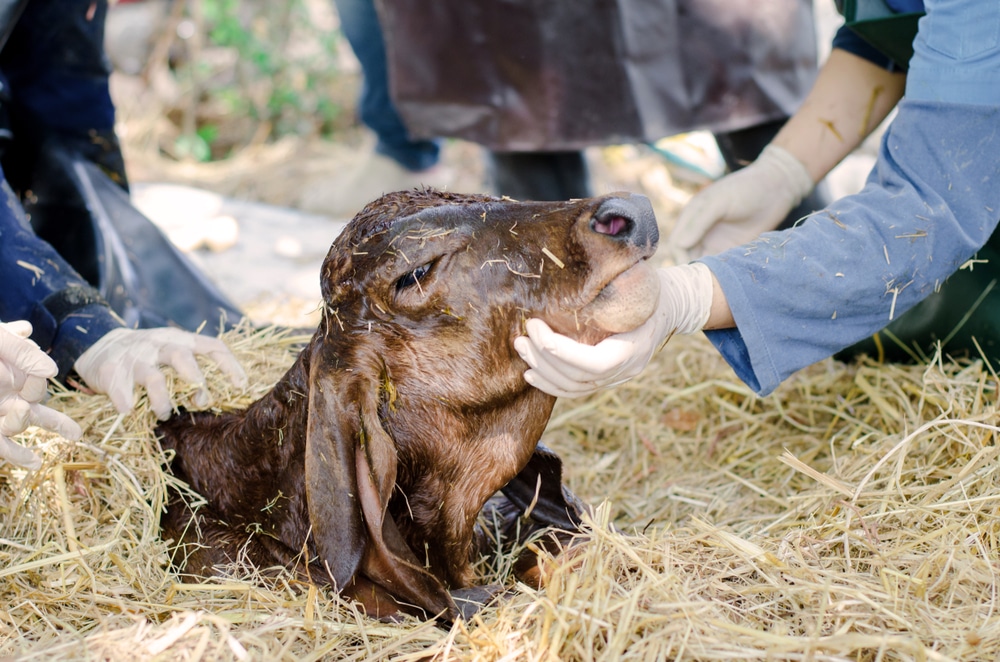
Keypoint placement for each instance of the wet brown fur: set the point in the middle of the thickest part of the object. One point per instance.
(372, 457)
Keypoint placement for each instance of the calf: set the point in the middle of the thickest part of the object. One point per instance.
(369, 462)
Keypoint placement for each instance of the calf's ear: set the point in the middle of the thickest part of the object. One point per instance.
(338, 526)
(350, 475)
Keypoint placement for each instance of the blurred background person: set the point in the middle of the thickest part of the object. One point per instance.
(537, 83)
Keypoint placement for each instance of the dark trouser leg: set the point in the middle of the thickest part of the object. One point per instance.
(539, 175)
(359, 23)
(742, 147)
(58, 74)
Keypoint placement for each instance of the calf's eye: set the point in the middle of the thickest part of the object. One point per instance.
(412, 278)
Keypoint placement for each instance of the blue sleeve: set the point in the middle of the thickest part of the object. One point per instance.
(66, 313)
(956, 55)
(931, 201)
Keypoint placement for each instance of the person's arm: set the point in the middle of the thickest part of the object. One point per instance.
(930, 203)
(720, 315)
(791, 298)
(66, 313)
(79, 330)
(849, 100)
(801, 295)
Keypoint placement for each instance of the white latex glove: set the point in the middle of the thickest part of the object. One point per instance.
(126, 357)
(741, 206)
(562, 367)
(24, 373)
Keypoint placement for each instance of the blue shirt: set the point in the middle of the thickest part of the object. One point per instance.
(38, 285)
(931, 201)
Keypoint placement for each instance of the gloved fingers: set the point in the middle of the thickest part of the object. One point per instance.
(54, 421)
(685, 255)
(526, 349)
(182, 360)
(37, 363)
(155, 384)
(17, 415)
(19, 455)
(117, 382)
(574, 359)
(719, 240)
(11, 378)
(217, 350)
(23, 355)
(564, 377)
(124, 358)
(698, 217)
(564, 381)
(28, 386)
(537, 354)
(567, 389)
(20, 328)
(14, 415)
(35, 388)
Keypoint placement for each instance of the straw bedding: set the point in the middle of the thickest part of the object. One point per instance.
(852, 515)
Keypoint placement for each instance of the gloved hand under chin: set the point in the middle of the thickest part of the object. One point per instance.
(24, 373)
(123, 358)
(562, 367)
(741, 206)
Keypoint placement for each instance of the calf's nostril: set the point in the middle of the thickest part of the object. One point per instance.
(628, 219)
(612, 224)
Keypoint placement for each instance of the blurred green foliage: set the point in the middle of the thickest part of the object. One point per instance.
(254, 70)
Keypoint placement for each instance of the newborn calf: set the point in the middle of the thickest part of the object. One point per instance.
(368, 463)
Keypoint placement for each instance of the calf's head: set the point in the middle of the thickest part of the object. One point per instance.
(408, 409)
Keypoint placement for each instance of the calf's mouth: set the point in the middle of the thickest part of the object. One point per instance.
(626, 302)
(620, 238)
